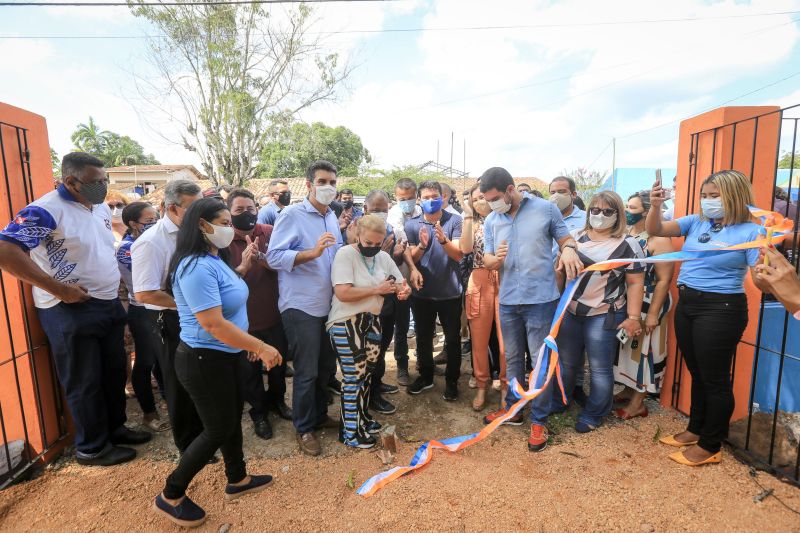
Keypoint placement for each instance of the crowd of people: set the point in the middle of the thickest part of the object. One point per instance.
(220, 289)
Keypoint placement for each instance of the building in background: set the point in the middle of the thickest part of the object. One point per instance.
(144, 179)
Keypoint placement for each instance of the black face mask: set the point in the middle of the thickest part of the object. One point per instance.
(244, 221)
(369, 251)
(348, 204)
(285, 198)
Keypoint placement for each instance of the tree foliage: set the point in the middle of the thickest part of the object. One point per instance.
(299, 144)
(55, 162)
(113, 149)
(386, 179)
(587, 181)
(786, 160)
(230, 77)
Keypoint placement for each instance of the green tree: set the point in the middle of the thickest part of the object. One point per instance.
(786, 160)
(89, 137)
(297, 145)
(112, 148)
(122, 150)
(386, 179)
(587, 182)
(229, 77)
(55, 162)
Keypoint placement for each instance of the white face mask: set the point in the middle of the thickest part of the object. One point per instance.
(222, 236)
(116, 213)
(500, 206)
(382, 216)
(562, 201)
(601, 221)
(325, 194)
(712, 208)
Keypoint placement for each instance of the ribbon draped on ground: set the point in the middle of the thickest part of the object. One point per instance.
(773, 225)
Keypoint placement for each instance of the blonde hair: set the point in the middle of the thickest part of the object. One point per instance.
(736, 194)
(613, 200)
(371, 223)
(116, 195)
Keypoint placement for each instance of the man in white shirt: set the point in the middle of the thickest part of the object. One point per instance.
(406, 208)
(62, 244)
(150, 256)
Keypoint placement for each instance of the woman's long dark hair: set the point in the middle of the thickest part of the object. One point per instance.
(191, 242)
(131, 213)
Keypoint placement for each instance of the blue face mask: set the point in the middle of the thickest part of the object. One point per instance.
(147, 226)
(407, 206)
(712, 208)
(431, 207)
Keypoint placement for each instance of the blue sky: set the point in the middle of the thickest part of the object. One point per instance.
(536, 99)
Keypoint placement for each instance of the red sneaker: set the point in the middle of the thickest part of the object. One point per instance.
(538, 439)
(513, 421)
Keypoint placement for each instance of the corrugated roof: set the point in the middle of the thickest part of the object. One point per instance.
(157, 168)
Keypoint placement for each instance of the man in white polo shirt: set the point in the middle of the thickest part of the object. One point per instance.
(62, 244)
(150, 256)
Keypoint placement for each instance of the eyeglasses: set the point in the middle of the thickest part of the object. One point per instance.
(606, 212)
(118, 205)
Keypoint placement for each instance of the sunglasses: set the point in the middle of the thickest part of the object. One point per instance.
(119, 205)
(606, 212)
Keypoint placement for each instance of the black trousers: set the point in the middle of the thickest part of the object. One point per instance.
(183, 417)
(211, 379)
(86, 343)
(708, 327)
(402, 320)
(251, 378)
(449, 313)
(146, 346)
(387, 319)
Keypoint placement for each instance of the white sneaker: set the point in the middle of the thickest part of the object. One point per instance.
(473, 383)
(496, 384)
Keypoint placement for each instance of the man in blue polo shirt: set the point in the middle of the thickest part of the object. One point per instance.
(563, 193)
(518, 241)
(304, 243)
(434, 252)
(62, 244)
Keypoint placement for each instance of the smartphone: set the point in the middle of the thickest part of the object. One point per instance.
(622, 336)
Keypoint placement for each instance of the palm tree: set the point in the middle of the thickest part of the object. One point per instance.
(89, 138)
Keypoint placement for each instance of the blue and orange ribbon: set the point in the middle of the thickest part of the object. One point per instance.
(774, 228)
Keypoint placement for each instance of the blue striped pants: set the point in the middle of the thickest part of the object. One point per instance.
(357, 342)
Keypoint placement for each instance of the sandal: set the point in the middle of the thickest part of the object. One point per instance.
(679, 458)
(670, 440)
(157, 425)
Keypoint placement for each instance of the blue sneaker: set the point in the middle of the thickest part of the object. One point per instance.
(583, 427)
(373, 427)
(257, 484)
(185, 514)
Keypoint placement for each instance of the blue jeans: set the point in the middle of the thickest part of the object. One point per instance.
(588, 332)
(314, 363)
(521, 323)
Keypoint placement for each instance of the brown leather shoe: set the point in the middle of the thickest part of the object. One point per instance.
(309, 444)
(328, 423)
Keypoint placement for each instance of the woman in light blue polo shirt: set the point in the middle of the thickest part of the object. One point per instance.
(711, 314)
(211, 300)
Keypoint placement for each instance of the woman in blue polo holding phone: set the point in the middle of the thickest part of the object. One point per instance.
(711, 314)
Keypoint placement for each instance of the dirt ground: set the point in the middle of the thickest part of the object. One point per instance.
(617, 478)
